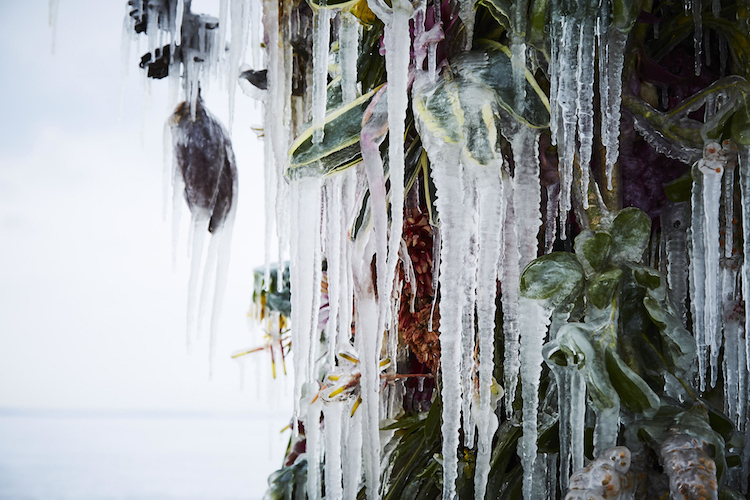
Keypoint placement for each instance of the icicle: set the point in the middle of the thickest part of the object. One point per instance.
(352, 455)
(697, 7)
(732, 334)
(223, 13)
(54, 8)
(333, 416)
(321, 45)
(712, 171)
(533, 318)
(518, 63)
(510, 290)
(491, 216)
(368, 340)
(527, 197)
(554, 72)
(550, 221)
(314, 448)
(240, 12)
(470, 205)
(447, 174)
(334, 250)
(199, 230)
(566, 95)
(467, 15)
(744, 159)
(435, 272)
(585, 102)
(305, 267)
(696, 253)
(396, 19)
(348, 46)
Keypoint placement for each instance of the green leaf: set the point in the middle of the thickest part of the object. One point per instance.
(630, 232)
(339, 149)
(647, 277)
(678, 346)
(741, 126)
(634, 392)
(592, 250)
(331, 4)
(603, 286)
(555, 278)
(679, 189)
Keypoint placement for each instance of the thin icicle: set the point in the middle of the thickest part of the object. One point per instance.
(518, 64)
(744, 160)
(491, 215)
(334, 415)
(334, 250)
(616, 41)
(697, 7)
(368, 345)
(54, 8)
(305, 267)
(712, 170)
(698, 278)
(240, 14)
(467, 14)
(352, 453)
(321, 45)
(348, 47)
(314, 448)
(510, 280)
(534, 319)
(566, 96)
(527, 196)
(585, 102)
(199, 230)
(550, 221)
(470, 205)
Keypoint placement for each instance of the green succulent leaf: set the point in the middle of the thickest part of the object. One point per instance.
(592, 250)
(679, 189)
(630, 231)
(624, 14)
(647, 277)
(634, 392)
(602, 287)
(678, 346)
(556, 278)
(339, 148)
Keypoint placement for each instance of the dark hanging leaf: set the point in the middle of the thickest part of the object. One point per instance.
(203, 153)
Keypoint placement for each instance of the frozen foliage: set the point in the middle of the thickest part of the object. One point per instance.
(376, 107)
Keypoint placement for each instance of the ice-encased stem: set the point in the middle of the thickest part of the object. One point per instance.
(533, 320)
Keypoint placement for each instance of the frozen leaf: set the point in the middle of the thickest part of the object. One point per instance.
(555, 278)
(634, 392)
(592, 250)
(630, 232)
(602, 287)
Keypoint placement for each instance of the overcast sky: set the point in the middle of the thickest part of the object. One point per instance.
(91, 312)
